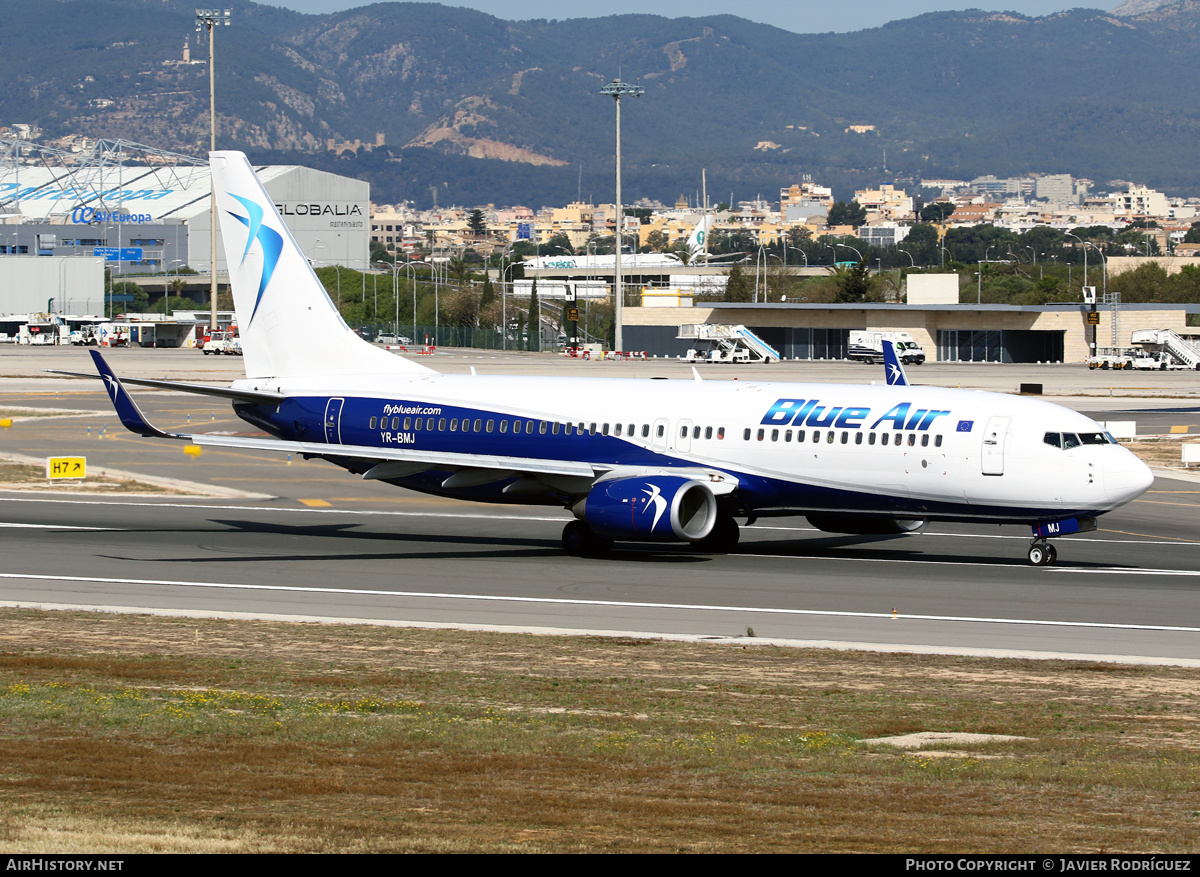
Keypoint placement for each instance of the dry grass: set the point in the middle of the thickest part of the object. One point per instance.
(1160, 453)
(152, 734)
(23, 476)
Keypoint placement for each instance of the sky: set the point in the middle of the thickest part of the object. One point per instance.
(801, 17)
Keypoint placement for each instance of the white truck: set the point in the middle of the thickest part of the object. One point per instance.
(223, 342)
(867, 346)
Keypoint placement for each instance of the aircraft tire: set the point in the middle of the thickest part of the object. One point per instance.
(1042, 554)
(578, 540)
(722, 539)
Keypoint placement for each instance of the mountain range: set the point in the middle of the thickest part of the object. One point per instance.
(474, 109)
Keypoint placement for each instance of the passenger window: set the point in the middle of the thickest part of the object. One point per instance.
(503, 426)
(407, 424)
(618, 430)
(912, 439)
(542, 427)
(592, 429)
(695, 432)
(374, 420)
(645, 430)
(683, 432)
(816, 436)
(605, 429)
(761, 434)
(629, 432)
(720, 433)
(774, 435)
(478, 424)
(884, 439)
(490, 424)
(925, 440)
(454, 424)
(442, 425)
(662, 429)
(858, 438)
(937, 441)
(708, 432)
(417, 425)
(428, 424)
(568, 429)
(845, 437)
(395, 423)
(871, 439)
(528, 427)
(746, 435)
(829, 436)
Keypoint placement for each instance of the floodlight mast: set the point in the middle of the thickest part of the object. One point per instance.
(617, 89)
(207, 19)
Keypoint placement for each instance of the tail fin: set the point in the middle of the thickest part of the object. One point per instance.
(892, 367)
(698, 241)
(288, 324)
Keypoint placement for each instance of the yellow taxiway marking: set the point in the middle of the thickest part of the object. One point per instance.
(1164, 502)
(315, 503)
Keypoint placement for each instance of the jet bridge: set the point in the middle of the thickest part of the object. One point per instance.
(715, 342)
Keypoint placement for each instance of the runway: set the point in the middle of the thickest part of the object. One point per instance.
(1113, 595)
(316, 543)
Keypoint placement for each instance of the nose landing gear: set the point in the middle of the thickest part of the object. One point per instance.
(1042, 553)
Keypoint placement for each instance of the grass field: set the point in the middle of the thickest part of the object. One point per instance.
(134, 733)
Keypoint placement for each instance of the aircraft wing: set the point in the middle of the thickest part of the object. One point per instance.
(569, 476)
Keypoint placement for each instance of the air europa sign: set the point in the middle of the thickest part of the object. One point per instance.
(88, 215)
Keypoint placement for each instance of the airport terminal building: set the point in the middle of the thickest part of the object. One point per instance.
(146, 211)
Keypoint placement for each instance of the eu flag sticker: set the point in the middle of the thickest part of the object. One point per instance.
(965, 425)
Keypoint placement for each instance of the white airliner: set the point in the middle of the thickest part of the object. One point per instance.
(632, 262)
(636, 460)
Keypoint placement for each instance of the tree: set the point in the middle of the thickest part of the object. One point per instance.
(936, 211)
(560, 241)
(488, 295)
(852, 214)
(1193, 234)
(477, 223)
(656, 241)
(535, 323)
(853, 282)
(922, 242)
(737, 287)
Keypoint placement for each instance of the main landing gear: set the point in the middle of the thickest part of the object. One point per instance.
(1042, 553)
(579, 540)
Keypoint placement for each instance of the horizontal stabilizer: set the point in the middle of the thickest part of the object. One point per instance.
(257, 396)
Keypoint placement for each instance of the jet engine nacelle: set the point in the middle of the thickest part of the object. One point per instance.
(864, 525)
(660, 508)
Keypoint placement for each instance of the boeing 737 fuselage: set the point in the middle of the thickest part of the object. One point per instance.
(637, 460)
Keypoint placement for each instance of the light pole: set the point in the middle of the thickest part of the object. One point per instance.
(616, 89)
(208, 19)
(910, 257)
(1081, 240)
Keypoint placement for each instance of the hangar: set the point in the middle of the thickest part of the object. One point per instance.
(147, 211)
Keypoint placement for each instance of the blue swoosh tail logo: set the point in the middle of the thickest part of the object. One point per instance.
(270, 240)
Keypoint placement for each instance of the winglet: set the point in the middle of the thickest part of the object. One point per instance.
(131, 416)
(892, 368)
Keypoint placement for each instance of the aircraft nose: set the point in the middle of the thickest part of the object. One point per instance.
(1126, 477)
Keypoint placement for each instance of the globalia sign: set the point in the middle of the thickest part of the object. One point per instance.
(89, 215)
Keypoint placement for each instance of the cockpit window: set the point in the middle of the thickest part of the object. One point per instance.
(1068, 440)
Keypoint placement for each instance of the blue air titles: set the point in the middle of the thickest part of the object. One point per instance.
(807, 412)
